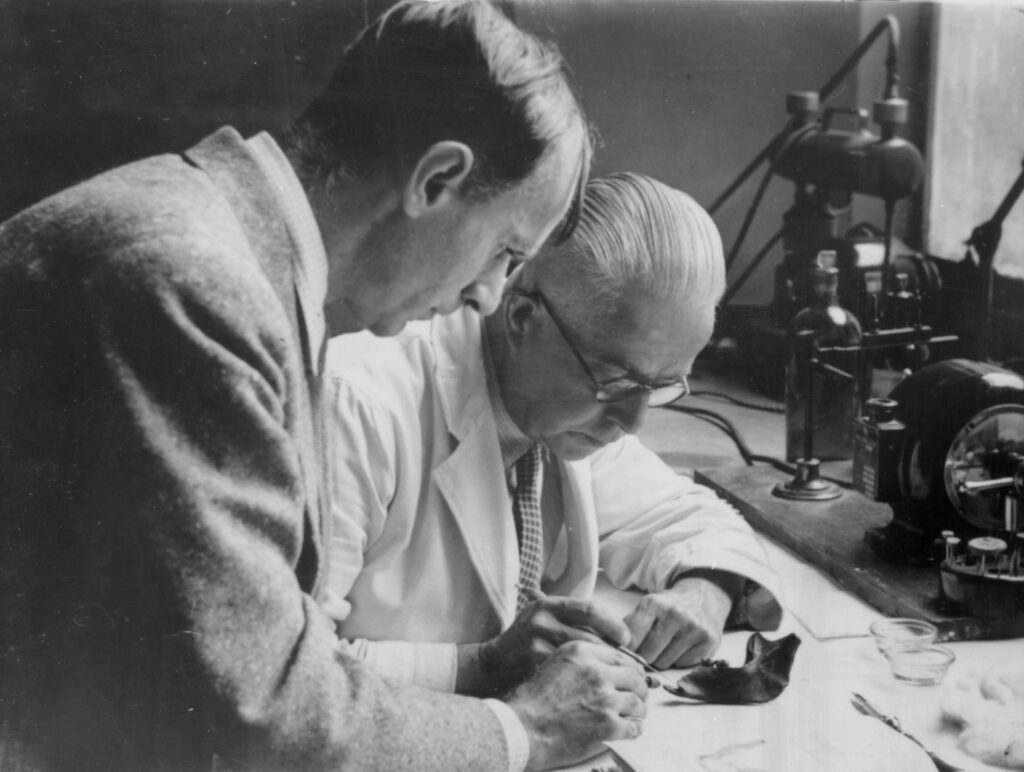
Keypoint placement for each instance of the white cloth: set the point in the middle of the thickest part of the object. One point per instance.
(424, 546)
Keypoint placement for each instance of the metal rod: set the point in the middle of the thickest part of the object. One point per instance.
(766, 152)
(890, 344)
(884, 303)
(986, 485)
(888, 23)
(1010, 198)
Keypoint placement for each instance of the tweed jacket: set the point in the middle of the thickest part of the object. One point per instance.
(423, 536)
(161, 533)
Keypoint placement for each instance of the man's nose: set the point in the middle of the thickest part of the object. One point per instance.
(485, 292)
(628, 413)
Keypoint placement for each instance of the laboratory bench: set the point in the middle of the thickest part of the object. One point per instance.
(812, 725)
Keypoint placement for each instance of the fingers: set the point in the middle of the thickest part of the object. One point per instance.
(627, 703)
(630, 722)
(669, 634)
(657, 632)
(587, 693)
(636, 728)
(640, 621)
(633, 707)
(623, 673)
(547, 623)
(686, 650)
(626, 729)
(575, 613)
(666, 648)
(650, 635)
(541, 626)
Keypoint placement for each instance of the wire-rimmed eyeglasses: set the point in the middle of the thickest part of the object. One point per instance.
(615, 389)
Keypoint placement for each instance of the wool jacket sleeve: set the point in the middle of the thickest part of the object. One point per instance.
(187, 514)
(655, 525)
(210, 424)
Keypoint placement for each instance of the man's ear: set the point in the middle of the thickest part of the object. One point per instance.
(520, 314)
(437, 176)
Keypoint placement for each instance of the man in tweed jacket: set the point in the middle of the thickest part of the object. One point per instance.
(162, 529)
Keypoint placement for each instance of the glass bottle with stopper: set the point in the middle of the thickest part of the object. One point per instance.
(826, 379)
(821, 387)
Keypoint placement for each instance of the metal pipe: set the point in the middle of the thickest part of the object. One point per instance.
(986, 485)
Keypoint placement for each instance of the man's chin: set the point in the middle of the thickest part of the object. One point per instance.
(574, 446)
(387, 328)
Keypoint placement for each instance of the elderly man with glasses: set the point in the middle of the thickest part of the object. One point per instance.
(490, 467)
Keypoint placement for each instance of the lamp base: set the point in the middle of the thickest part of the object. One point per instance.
(807, 484)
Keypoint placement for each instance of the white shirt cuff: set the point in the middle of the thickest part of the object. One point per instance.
(516, 739)
(430, 665)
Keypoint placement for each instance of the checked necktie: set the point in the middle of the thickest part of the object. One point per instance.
(526, 508)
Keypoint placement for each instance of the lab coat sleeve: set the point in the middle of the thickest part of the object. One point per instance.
(362, 483)
(655, 525)
(363, 479)
(430, 665)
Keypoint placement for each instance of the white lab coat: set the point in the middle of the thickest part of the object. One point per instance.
(424, 546)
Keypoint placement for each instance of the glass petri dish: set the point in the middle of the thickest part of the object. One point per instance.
(919, 665)
(901, 631)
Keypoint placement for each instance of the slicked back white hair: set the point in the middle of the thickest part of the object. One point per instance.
(636, 238)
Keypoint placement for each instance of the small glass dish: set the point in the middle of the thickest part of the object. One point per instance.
(920, 665)
(900, 631)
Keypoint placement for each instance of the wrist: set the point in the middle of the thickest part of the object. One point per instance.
(729, 583)
(517, 739)
(539, 755)
(468, 674)
(483, 670)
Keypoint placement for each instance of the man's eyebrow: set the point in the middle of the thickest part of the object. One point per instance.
(634, 374)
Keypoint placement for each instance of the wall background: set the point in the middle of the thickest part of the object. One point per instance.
(687, 91)
(976, 134)
(85, 85)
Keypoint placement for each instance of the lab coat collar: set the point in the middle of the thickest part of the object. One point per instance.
(482, 510)
(461, 379)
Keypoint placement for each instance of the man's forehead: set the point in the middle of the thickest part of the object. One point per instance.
(649, 343)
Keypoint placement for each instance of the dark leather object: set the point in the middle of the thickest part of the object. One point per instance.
(761, 679)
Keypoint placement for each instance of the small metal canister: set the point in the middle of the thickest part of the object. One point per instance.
(877, 445)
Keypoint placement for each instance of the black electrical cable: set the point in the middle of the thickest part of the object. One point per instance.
(749, 457)
(722, 423)
(739, 402)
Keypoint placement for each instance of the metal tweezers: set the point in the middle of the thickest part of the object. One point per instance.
(865, 707)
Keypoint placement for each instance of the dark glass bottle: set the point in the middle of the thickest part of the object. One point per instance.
(825, 378)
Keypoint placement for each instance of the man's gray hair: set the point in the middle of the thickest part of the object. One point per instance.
(638, 237)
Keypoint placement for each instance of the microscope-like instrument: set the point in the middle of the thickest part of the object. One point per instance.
(934, 527)
(946, 452)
